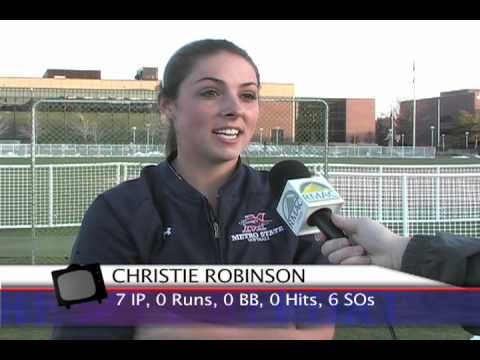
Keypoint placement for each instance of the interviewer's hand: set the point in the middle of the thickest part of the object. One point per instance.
(369, 242)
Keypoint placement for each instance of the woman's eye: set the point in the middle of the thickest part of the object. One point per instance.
(209, 93)
(250, 96)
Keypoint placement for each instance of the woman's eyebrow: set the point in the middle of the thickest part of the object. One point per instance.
(209, 78)
(223, 82)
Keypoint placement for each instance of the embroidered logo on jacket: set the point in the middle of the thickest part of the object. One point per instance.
(252, 222)
(255, 228)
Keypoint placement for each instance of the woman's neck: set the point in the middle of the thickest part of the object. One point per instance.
(206, 177)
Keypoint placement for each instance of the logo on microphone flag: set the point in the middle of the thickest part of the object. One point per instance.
(315, 191)
(301, 198)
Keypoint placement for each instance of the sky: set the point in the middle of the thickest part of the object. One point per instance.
(346, 59)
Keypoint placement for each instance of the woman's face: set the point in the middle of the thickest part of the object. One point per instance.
(216, 110)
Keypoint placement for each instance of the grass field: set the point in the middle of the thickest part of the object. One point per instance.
(53, 246)
(341, 333)
(441, 160)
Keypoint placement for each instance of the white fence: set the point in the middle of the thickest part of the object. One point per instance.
(381, 151)
(254, 150)
(340, 151)
(81, 150)
(409, 200)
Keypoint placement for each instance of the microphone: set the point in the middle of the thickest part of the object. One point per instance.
(305, 203)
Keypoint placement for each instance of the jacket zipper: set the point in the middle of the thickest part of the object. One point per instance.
(218, 232)
(215, 232)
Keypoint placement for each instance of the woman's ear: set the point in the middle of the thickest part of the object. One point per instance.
(166, 106)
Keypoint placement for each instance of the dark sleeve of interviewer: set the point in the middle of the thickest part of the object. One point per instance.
(102, 239)
(448, 258)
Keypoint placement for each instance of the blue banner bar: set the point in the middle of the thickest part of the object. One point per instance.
(246, 307)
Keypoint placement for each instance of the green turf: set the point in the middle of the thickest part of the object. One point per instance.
(402, 333)
(53, 246)
(341, 333)
(25, 333)
(440, 160)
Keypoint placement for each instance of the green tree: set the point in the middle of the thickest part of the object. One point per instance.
(404, 126)
(468, 122)
(382, 125)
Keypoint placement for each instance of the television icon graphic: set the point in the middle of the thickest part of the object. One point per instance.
(78, 284)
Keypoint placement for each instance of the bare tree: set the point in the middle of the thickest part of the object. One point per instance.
(96, 132)
(88, 129)
(382, 126)
(83, 126)
(4, 125)
(25, 130)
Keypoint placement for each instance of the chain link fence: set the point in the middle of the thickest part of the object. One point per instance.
(98, 122)
(83, 147)
(92, 128)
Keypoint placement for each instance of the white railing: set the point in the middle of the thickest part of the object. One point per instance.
(253, 150)
(352, 151)
(380, 169)
(340, 151)
(82, 150)
(409, 200)
(411, 169)
(413, 203)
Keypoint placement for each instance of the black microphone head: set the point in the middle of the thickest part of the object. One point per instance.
(284, 171)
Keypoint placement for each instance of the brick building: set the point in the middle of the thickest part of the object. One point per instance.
(444, 109)
(283, 118)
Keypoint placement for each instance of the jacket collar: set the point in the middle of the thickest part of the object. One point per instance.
(175, 185)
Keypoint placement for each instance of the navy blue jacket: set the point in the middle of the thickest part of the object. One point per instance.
(159, 218)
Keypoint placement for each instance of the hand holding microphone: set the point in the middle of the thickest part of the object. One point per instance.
(384, 248)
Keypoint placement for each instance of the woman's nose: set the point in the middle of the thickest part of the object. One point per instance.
(231, 107)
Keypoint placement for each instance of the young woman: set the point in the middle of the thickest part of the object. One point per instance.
(201, 205)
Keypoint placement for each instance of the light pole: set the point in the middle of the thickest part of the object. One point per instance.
(438, 122)
(391, 123)
(261, 135)
(403, 139)
(94, 128)
(390, 137)
(148, 134)
(432, 128)
(414, 109)
(443, 142)
(476, 142)
(133, 129)
(466, 139)
(390, 141)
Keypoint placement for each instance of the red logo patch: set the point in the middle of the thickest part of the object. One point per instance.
(252, 222)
